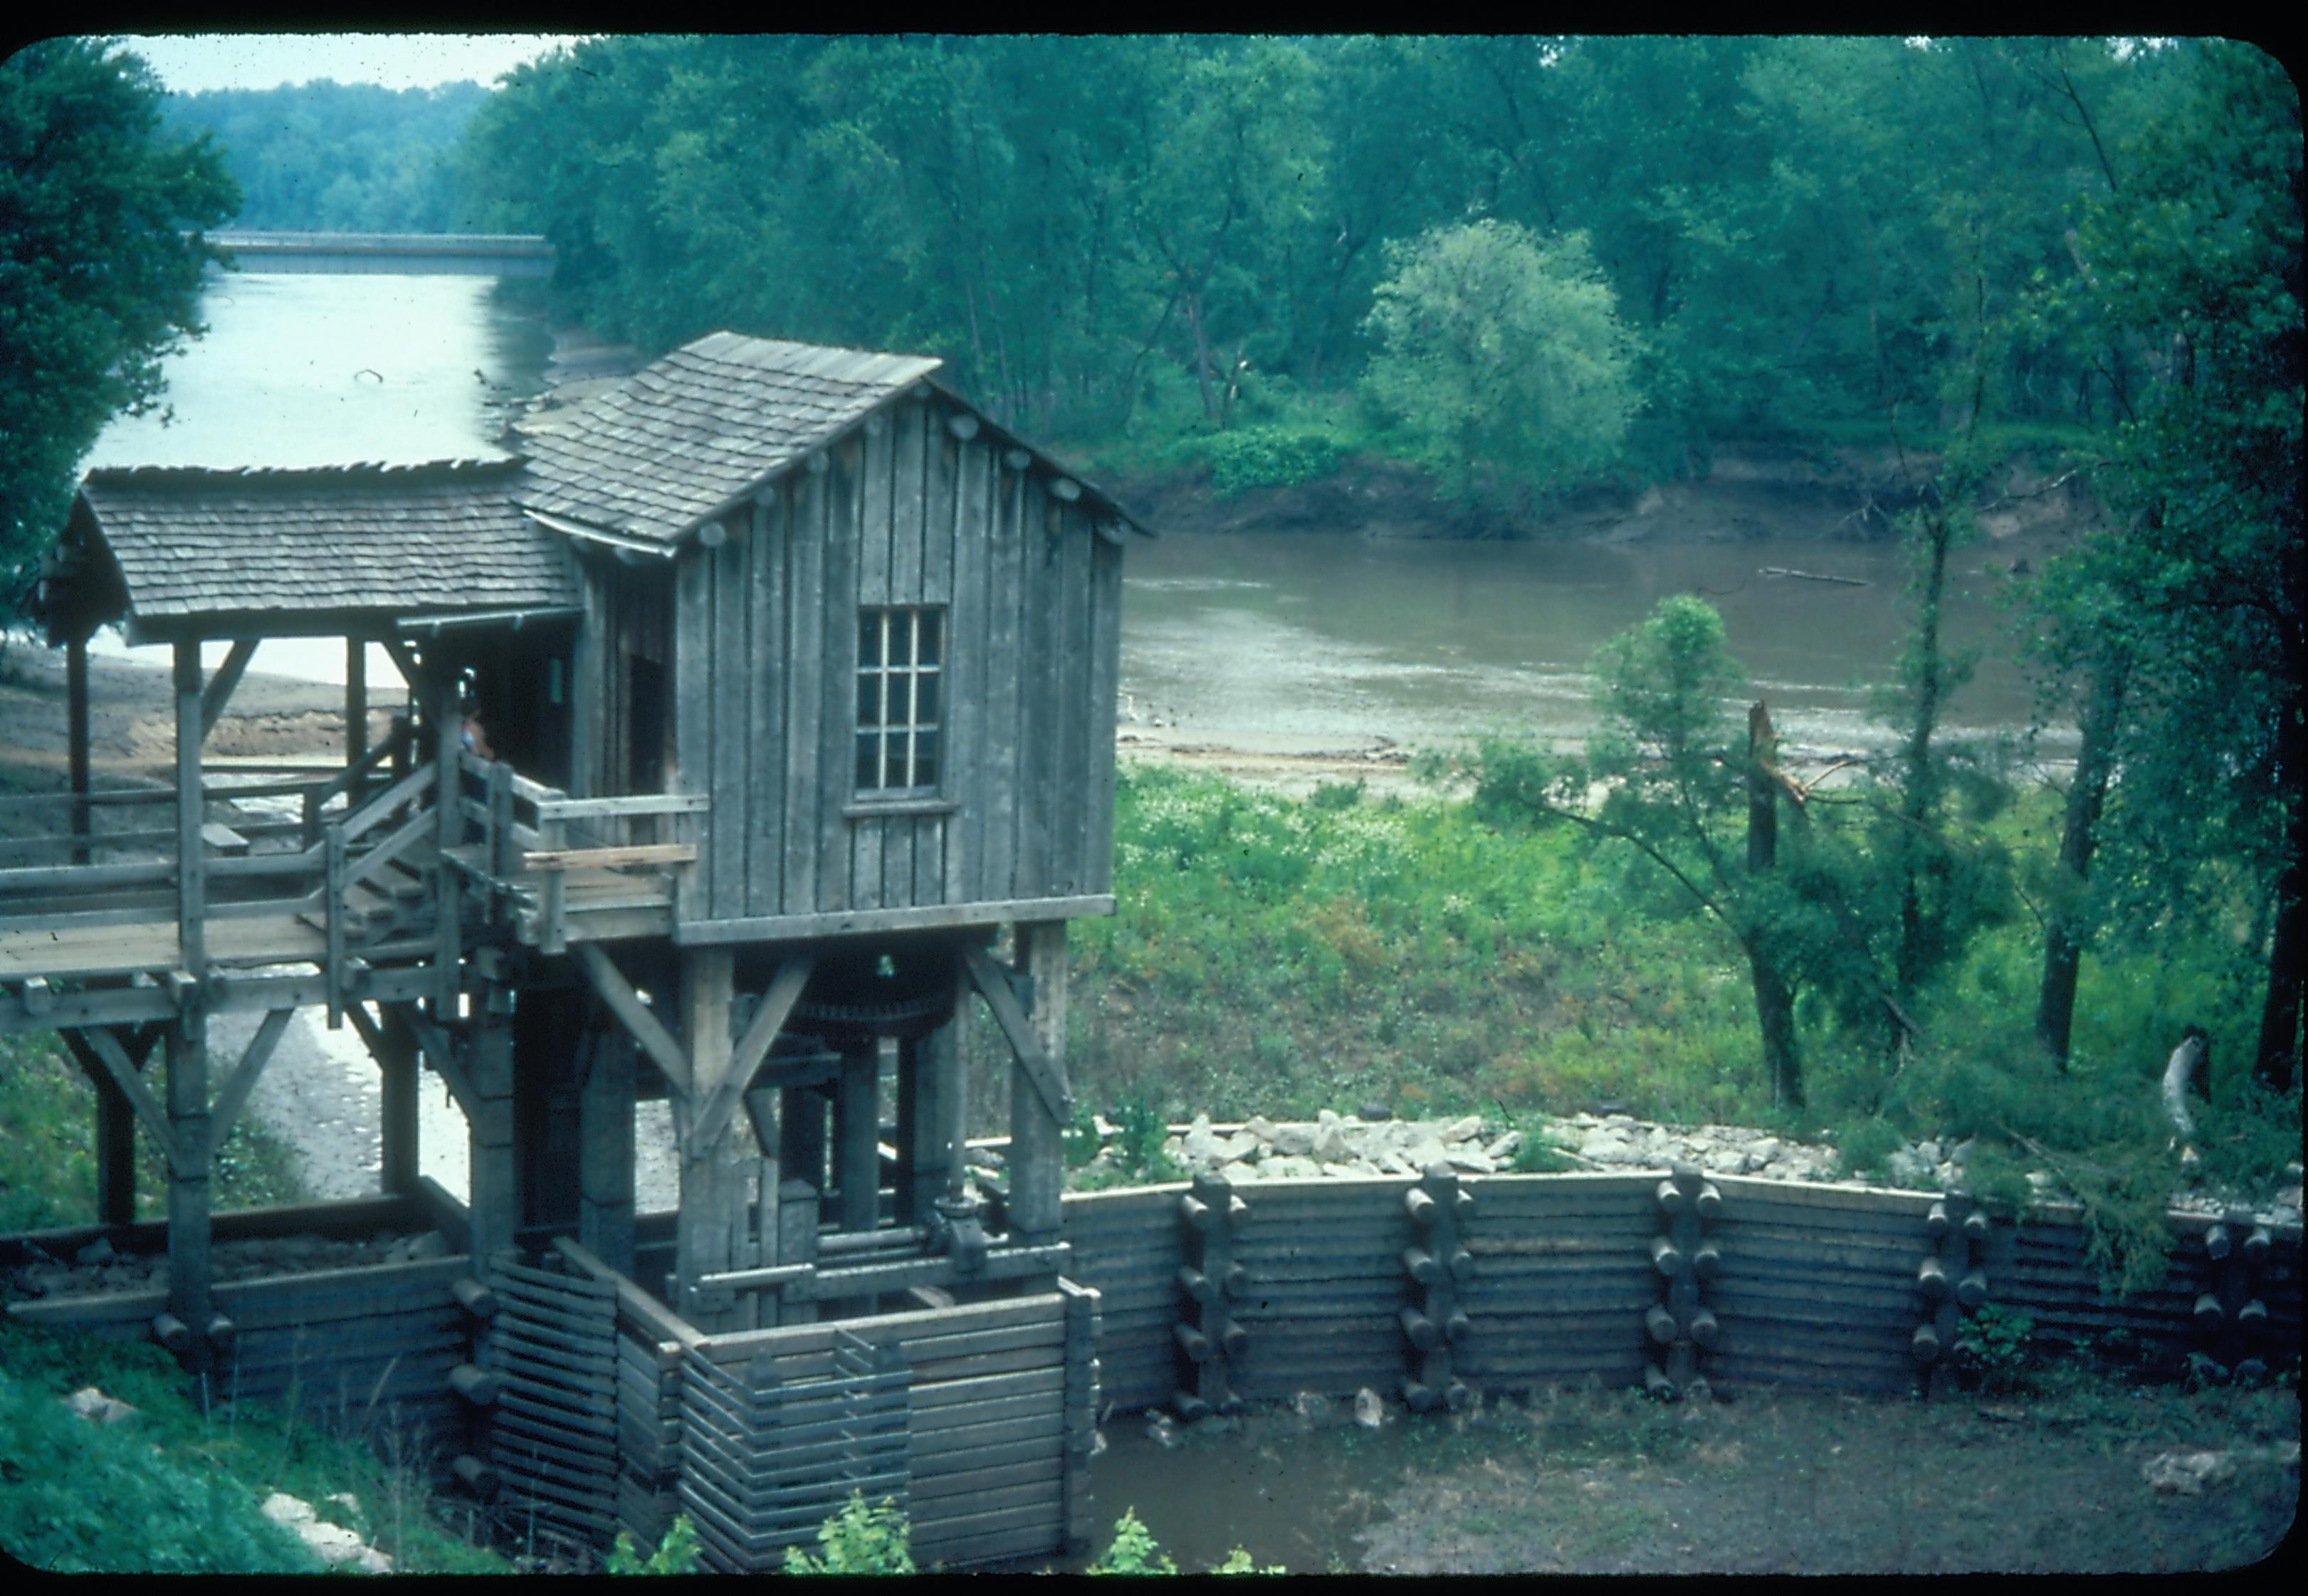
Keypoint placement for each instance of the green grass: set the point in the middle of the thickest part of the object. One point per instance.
(48, 1148)
(173, 1490)
(1281, 956)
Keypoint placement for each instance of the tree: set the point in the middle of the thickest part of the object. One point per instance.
(1675, 789)
(2189, 622)
(98, 281)
(1504, 350)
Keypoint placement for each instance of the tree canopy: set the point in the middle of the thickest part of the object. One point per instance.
(97, 277)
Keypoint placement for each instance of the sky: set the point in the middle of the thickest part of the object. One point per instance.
(189, 63)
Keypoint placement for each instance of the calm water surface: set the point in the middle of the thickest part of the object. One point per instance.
(1284, 643)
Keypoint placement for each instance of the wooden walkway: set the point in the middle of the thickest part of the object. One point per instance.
(68, 950)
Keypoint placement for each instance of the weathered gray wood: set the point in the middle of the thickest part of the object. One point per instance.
(220, 688)
(837, 666)
(237, 1086)
(858, 1158)
(625, 1003)
(1040, 1103)
(494, 1171)
(737, 665)
(1076, 716)
(766, 673)
(926, 917)
(702, 1237)
(1041, 1075)
(191, 892)
(605, 1137)
(1104, 682)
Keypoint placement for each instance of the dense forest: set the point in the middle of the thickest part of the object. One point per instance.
(335, 157)
(1747, 237)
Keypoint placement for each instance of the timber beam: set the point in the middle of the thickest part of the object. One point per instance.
(626, 1004)
(226, 993)
(1049, 1074)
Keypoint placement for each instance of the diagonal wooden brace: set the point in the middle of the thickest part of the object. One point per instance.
(626, 1004)
(97, 1047)
(722, 1097)
(228, 1102)
(218, 691)
(1047, 1074)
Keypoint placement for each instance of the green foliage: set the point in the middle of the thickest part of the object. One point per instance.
(1238, 1561)
(1133, 1550)
(1993, 1346)
(1539, 1154)
(858, 1540)
(677, 1552)
(173, 1489)
(332, 157)
(1505, 352)
(1864, 1145)
(48, 1148)
(97, 275)
(1138, 239)
(1272, 456)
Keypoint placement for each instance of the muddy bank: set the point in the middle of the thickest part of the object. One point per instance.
(1741, 493)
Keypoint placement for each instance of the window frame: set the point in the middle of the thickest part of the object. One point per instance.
(905, 670)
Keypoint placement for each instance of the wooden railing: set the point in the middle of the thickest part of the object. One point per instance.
(350, 861)
(529, 830)
(354, 780)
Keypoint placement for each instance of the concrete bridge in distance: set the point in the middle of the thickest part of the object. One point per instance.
(392, 254)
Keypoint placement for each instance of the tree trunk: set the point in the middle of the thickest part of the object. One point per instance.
(2080, 835)
(1193, 297)
(1774, 1015)
(2275, 1063)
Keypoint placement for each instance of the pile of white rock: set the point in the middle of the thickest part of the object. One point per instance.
(1349, 1146)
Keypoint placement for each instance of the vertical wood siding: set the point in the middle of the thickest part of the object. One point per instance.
(766, 638)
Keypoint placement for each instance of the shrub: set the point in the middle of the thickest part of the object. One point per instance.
(1280, 455)
(1133, 1550)
(858, 1540)
(677, 1552)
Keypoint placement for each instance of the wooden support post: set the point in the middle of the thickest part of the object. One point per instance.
(76, 741)
(356, 703)
(605, 1134)
(1036, 1153)
(801, 1138)
(703, 1240)
(116, 1134)
(189, 1269)
(192, 956)
(797, 1237)
(929, 1079)
(494, 1169)
(395, 1050)
(857, 1119)
(448, 952)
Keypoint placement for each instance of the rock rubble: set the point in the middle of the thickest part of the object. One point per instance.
(1368, 1146)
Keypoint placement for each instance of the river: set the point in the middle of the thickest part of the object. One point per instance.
(1275, 642)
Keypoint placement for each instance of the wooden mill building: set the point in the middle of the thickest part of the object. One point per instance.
(800, 676)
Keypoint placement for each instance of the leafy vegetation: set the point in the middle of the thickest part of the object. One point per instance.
(1794, 232)
(48, 1149)
(100, 263)
(329, 156)
(1279, 956)
(858, 1540)
(677, 1552)
(174, 1490)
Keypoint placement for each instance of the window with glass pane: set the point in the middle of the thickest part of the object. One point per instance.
(900, 668)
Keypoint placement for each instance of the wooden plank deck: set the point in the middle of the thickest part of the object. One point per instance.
(282, 938)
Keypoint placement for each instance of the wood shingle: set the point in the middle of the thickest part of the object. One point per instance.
(340, 542)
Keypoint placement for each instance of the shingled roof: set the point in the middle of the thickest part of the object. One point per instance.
(695, 432)
(688, 434)
(337, 541)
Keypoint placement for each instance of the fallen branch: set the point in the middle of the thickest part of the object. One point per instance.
(1849, 582)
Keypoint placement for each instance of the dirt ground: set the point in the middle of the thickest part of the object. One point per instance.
(1607, 1482)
